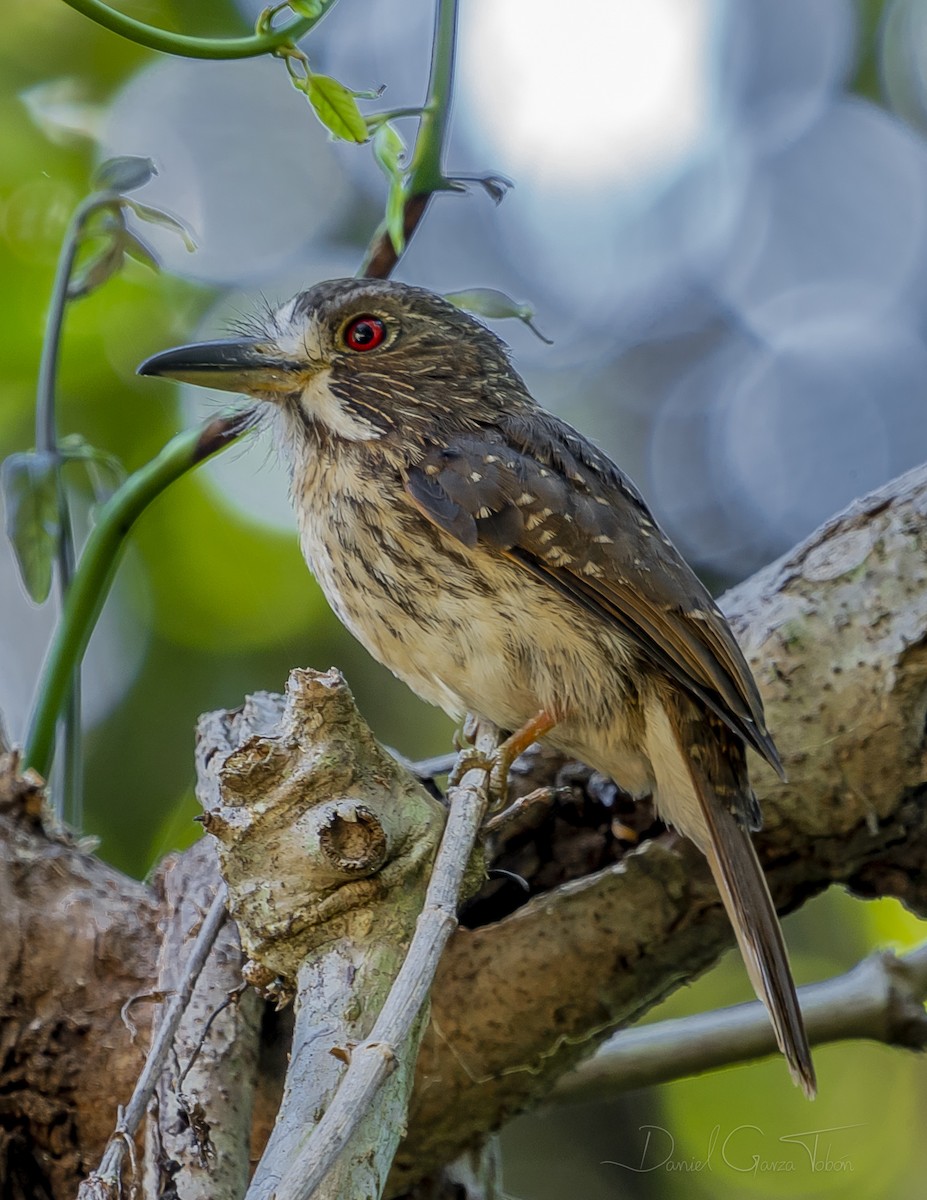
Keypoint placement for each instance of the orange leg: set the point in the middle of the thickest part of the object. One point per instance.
(514, 745)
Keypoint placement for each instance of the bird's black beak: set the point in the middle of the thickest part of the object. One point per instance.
(251, 365)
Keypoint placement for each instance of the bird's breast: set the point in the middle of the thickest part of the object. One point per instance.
(465, 628)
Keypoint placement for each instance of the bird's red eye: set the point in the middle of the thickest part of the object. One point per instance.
(364, 333)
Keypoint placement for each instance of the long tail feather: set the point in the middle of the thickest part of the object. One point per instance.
(692, 765)
(746, 898)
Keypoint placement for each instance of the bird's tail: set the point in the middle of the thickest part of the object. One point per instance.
(740, 880)
(712, 824)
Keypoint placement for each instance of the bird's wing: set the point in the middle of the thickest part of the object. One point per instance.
(537, 492)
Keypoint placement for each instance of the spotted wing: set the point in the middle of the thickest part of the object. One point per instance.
(537, 492)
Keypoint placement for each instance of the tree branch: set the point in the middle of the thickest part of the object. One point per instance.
(837, 633)
(78, 940)
(373, 1060)
(197, 1137)
(881, 998)
(326, 844)
(105, 1181)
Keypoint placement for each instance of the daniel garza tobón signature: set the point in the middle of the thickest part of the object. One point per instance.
(747, 1150)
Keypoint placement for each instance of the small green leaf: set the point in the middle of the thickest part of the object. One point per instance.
(140, 251)
(488, 302)
(396, 215)
(155, 216)
(123, 174)
(336, 108)
(307, 8)
(104, 471)
(389, 151)
(98, 269)
(30, 497)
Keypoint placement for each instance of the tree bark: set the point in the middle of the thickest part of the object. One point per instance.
(197, 1138)
(837, 635)
(78, 941)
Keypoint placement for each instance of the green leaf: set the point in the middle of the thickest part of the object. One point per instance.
(155, 216)
(488, 302)
(104, 471)
(307, 8)
(389, 151)
(30, 497)
(98, 269)
(140, 251)
(396, 216)
(336, 108)
(123, 174)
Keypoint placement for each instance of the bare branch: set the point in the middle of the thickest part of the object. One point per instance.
(77, 940)
(373, 1060)
(326, 844)
(105, 1181)
(199, 1123)
(881, 998)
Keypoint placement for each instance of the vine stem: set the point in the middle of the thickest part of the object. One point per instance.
(70, 790)
(426, 167)
(97, 567)
(187, 46)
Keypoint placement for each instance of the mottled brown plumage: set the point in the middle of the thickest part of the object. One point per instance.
(500, 564)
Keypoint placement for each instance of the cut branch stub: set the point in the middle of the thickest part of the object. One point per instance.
(319, 830)
(353, 840)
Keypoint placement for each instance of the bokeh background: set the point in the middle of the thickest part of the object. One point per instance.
(721, 219)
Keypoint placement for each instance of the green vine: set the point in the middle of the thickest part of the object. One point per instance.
(412, 184)
(97, 568)
(263, 42)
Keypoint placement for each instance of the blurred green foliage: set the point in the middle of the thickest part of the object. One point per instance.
(866, 77)
(221, 605)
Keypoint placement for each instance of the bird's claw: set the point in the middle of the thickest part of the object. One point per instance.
(469, 758)
(498, 786)
(496, 765)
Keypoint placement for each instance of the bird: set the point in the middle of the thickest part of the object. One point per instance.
(500, 564)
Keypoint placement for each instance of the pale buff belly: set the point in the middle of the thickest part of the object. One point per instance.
(471, 633)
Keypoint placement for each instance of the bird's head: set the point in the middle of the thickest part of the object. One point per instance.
(360, 359)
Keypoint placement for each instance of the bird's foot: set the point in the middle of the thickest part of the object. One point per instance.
(465, 734)
(469, 758)
(507, 751)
